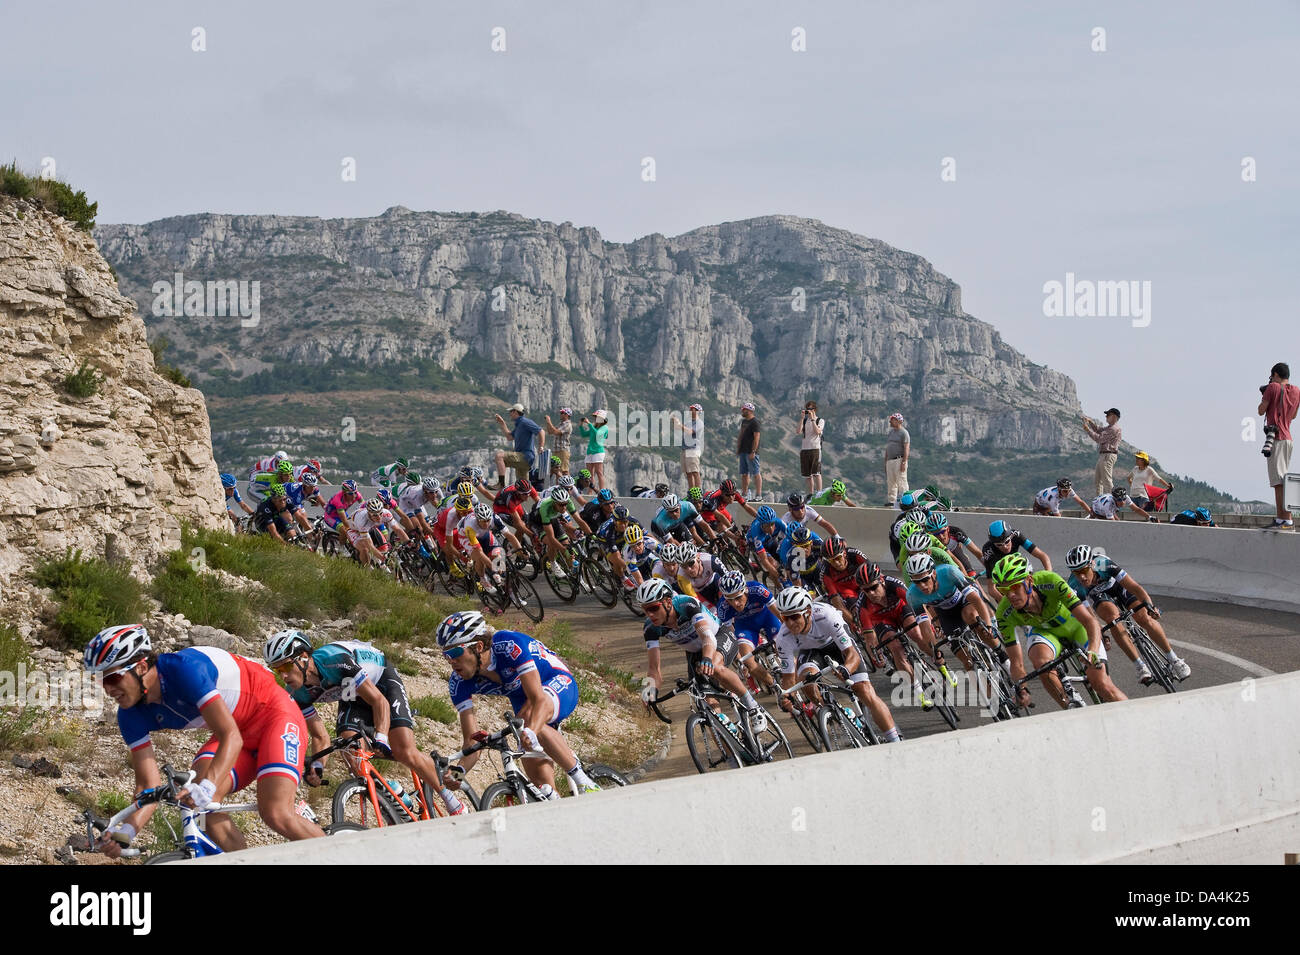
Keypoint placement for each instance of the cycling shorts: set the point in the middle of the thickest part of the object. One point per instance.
(357, 716)
(819, 655)
(275, 744)
(726, 638)
(1054, 643)
(562, 691)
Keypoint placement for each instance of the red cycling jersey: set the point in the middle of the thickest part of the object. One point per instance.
(895, 612)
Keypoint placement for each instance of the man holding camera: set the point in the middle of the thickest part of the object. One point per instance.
(1279, 400)
(1107, 439)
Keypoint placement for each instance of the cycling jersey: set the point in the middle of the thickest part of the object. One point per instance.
(893, 614)
(843, 583)
(266, 515)
(388, 475)
(410, 499)
(824, 498)
(826, 628)
(755, 620)
(232, 496)
(770, 541)
(705, 582)
(343, 667)
(513, 655)
(302, 469)
(646, 495)
(1055, 618)
(610, 537)
(470, 530)
(512, 500)
(665, 525)
(1104, 506)
(950, 591)
(1108, 587)
(293, 494)
(363, 523)
(338, 505)
(548, 511)
(593, 513)
(644, 560)
(678, 580)
(956, 544)
(1049, 498)
(938, 553)
(810, 516)
(263, 466)
(991, 555)
(690, 611)
(811, 555)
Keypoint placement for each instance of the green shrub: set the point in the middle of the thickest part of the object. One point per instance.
(94, 594)
(173, 374)
(18, 726)
(435, 708)
(202, 598)
(84, 382)
(55, 196)
(13, 650)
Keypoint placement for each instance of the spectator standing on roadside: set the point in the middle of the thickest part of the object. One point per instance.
(898, 447)
(524, 431)
(596, 432)
(747, 448)
(1107, 439)
(1142, 474)
(563, 433)
(692, 444)
(810, 447)
(1279, 400)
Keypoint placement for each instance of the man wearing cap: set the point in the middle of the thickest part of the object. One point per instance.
(564, 436)
(692, 444)
(1107, 439)
(898, 445)
(1142, 474)
(524, 432)
(747, 448)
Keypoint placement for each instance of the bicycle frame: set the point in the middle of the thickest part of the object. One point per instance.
(359, 761)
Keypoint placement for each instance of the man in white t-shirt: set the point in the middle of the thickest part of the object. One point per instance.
(692, 444)
(810, 446)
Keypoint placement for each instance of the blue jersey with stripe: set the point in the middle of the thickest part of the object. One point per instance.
(513, 654)
(188, 680)
(343, 666)
(950, 591)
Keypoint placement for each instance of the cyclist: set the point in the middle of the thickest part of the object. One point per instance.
(710, 647)
(445, 524)
(541, 689)
(800, 513)
(555, 512)
(257, 733)
(508, 504)
(680, 520)
(1003, 540)
(370, 695)
(956, 540)
(1199, 517)
(297, 494)
(476, 542)
(668, 567)
(411, 499)
(228, 483)
(882, 610)
(837, 493)
(337, 507)
(640, 552)
(956, 601)
(369, 531)
(1108, 589)
(747, 606)
(390, 474)
(809, 630)
(599, 509)
(1048, 500)
(923, 542)
(580, 488)
(837, 574)
(703, 570)
(312, 465)
(904, 526)
(259, 484)
(610, 534)
(660, 490)
(272, 516)
(266, 465)
(764, 538)
(800, 554)
(1054, 616)
(1106, 506)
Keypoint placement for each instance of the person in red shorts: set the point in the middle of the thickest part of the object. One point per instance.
(258, 732)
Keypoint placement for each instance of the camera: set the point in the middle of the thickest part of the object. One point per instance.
(1270, 435)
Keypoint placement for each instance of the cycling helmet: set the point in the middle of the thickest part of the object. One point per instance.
(281, 456)
(920, 566)
(284, 645)
(695, 495)
(465, 489)
(999, 531)
(907, 529)
(834, 547)
(386, 496)
(633, 534)
(464, 505)
(1010, 570)
(793, 600)
(916, 516)
(482, 512)
(687, 552)
(375, 506)
(583, 475)
(350, 486)
(918, 543)
(732, 583)
(669, 553)
(1203, 513)
(464, 626)
(620, 513)
(661, 489)
(801, 536)
(652, 591)
(309, 479)
(1080, 556)
(401, 464)
(766, 515)
(228, 480)
(559, 495)
(413, 477)
(284, 467)
(1064, 485)
(431, 486)
(1119, 494)
(276, 490)
(522, 486)
(869, 574)
(116, 648)
(314, 464)
(708, 506)
(936, 522)
(672, 502)
(838, 487)
(795, 500)
(604, 495)
(565, 481)
(728, 486)
(475, 473)
(465, 472)
(906, 501)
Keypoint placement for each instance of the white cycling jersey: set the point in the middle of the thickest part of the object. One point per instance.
(710, 568)
(825, 627)
(411, 498)
(1050, 498)
(363, 523)
(810, 516)
(1104, 506)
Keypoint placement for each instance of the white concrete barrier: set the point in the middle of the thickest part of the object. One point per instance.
(1251, 567)
(1211, 775)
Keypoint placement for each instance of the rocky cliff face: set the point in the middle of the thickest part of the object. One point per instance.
(773, 310)
(111, 473)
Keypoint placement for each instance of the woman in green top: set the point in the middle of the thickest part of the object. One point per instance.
(596, 434)
(1054, 614)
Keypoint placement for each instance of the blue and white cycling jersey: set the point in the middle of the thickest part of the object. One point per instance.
(513, 654)
(783, 549)
(232, 497)
(952, 587)
(343, 667)
(766, 541)
(663, 524)
(689, 612)
(188, 679)
(293, 494)
(756, 620)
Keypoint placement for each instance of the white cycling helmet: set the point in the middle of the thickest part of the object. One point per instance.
(566, 481)
(116, 648)
(559, 495)
(375, 506)
(1080, 556)
(431, 485)
(916, 515)
(671, 502)
(793, 600)
(918, 543)
(670, 553)
(482, 511)
(920, 565)
(464, 626)
(284, 645)
(686, 552)
(652, 591)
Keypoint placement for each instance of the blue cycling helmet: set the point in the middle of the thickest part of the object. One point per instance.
(605, 495)
(766, 515)
(227, 480)
(936, 522)
(999, 531)
(906, 501)
(1203, 513)
(350, 486)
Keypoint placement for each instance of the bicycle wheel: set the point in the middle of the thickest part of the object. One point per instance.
(629, 598)
(503, 794)
(566, 587)
(772, 742)
(809, 729)
(338, 827)
(1155, 660)
(712, 746)
(606, 777)
(523, 595)
(602, 583)
(165, 858)
(933, 684)
(838, 733)
(352, 804)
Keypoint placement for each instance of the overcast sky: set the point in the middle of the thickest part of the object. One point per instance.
(1117, 165)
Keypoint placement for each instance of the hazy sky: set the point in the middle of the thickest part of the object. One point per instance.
(1117, 165)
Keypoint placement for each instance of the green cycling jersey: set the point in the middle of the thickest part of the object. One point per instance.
(1056, 617)
(548, 510)
(938, 552)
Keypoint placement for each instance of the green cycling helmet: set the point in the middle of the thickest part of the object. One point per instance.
(1010, 570)
(284, 467)
(695, 495)
(907, 529)
(837, 487)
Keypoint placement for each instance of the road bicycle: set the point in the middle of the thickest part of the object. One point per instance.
(839, 719)
(514, 590)
(931, 674)
(1162, 670)
(717, 740)
(1072, 670)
